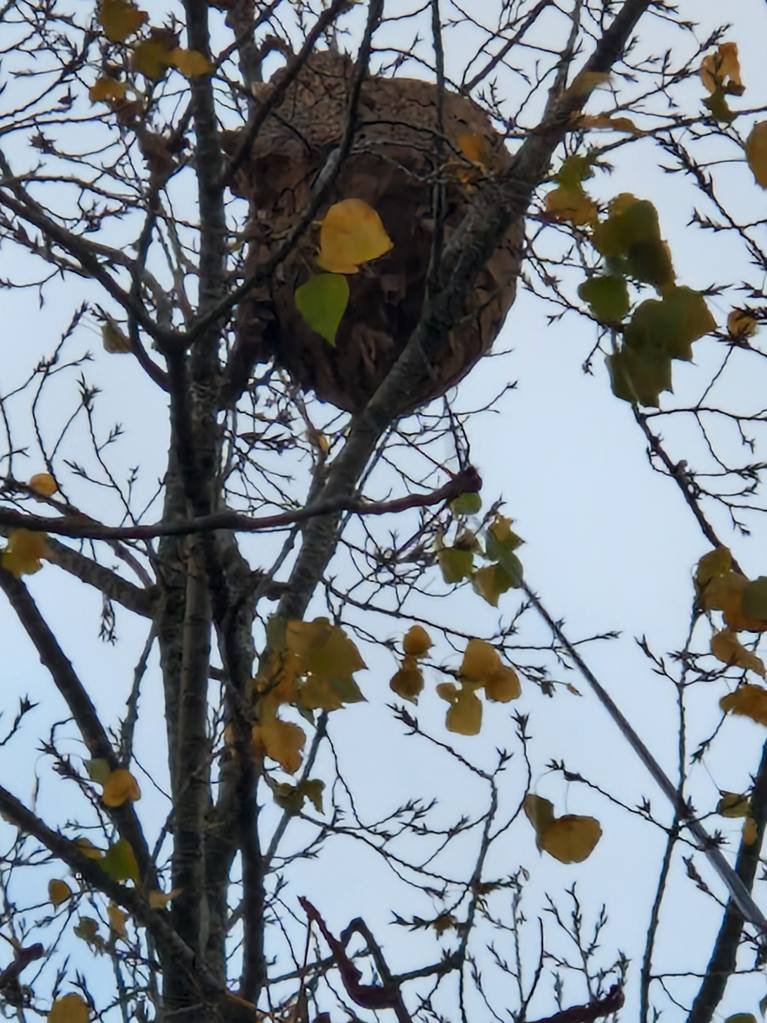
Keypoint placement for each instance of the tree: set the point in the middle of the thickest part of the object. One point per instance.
(294, 241)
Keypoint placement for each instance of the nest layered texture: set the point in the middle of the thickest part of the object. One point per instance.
(393, 166)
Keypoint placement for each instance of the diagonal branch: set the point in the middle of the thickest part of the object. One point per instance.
(739, 893)
(105, 580)
(156, 921)
(80, 706)
(722, 963)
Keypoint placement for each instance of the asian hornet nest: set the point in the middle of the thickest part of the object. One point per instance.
(392, 167)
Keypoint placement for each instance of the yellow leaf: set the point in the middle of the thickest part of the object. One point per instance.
(280, 676)
(490, 582)
(417, 641)
(280, 740)
(120, 19)
(113, 339)
(328, 660)
(159, 900)
(741, 324)
(120, 787)
(721, 70)
(88, 849)
(585, 82)
(107, 90)
(408, 681)
(151, 58)
(44, 484)
(713, 564)
(447, 691)
(573, 205)
(480, 661)
(191, 63)
(725, 593)
(539, 811)
(58, 892)
(756, 152)
(69, 1009)
(503, 685)
(571, 839)
(464, 716)
(473, 146)
(747, 700)
(608, 122)
(23, 552)
(726, 647)
(117, 920)
(733, 804)
(750, 831)
(352, 233)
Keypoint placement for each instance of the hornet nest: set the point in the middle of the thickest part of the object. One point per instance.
(392, 166)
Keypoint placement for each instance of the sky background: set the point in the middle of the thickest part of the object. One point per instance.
(609, 546)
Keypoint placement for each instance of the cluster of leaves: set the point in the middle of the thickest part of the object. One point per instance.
(310, 666)
(148, 50)
(351, 234)
(721, 77)
(743, 604)
(481, 669)
(457, 560)
(658, 330)
(629, 241)
(25, 548)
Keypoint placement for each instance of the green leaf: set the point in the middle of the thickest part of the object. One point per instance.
(608, 297)
(466, 504)
(755, 598)
(630, 222)
(87, 929)
(741, 1017)
(631, 233)
(322, 302)
(734, 804)
(120, 863)
(574, 171)
(717, 104)
(491, 581)
(638, 377)
(98, 770)
(671, 324)
(456, 564)
(313, 789)
(500, 543)
(292, 797)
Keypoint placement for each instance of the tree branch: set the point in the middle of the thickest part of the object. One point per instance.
(722, 963)
(467, 481)
(80, 706)
(105, 580)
